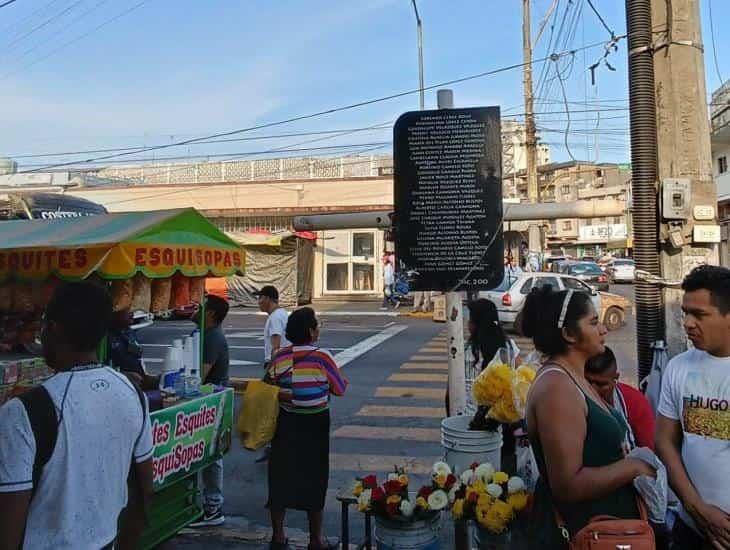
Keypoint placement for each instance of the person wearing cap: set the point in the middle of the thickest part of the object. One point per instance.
(274, 332)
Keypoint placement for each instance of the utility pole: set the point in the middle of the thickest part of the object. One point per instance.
(419, 27)
(533, 193)
(454, 318)
(683, 147)
(673, 192)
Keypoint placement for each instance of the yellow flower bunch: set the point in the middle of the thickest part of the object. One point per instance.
(504, 411)
(526, 374)
(500, 477)
(497, 517)
(422, 503)
(492, 384)
(393, 499)
(357, 488)
(518, 501)
(504, 391)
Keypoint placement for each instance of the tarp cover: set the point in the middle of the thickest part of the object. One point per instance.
(284, 259)
(117, 246)
(267, 265)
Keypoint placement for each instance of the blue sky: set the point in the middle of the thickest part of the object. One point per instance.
(171, 70)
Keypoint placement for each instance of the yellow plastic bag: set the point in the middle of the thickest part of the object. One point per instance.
(256, 423)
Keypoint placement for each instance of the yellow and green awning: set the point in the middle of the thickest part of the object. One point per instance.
(117, 246)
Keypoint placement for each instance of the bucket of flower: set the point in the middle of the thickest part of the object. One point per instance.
(493, 501)
(405, 519)
(500, 393)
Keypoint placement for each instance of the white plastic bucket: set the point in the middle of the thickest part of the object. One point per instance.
(464, 447)
(416, 535)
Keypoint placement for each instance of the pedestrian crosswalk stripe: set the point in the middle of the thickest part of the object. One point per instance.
(425, 366)
(418, 377)
(373, 432)
(382, 463)
(401, 412)
(432, 357)
(441, 350)
(414, 393)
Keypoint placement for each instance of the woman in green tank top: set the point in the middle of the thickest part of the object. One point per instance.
(578, 441)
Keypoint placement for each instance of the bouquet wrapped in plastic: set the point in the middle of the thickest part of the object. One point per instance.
(502, 389)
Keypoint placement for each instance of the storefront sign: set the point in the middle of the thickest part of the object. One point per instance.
(120, 261)
(448, 198)
(602, 232)
(190, 436)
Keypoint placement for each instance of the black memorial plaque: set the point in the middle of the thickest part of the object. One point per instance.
(448, 198)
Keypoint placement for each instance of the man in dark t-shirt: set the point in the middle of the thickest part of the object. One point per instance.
(215, 371)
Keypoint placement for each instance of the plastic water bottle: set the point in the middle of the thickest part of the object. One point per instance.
(192, 384)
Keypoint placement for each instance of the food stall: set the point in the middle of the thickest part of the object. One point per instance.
(149, 260)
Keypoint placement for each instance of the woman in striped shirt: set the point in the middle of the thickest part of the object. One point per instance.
(299, 461)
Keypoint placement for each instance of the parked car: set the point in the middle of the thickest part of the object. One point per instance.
(509, 297)
(621, 270)
(590, 273)
(550, 260)
(614, 308)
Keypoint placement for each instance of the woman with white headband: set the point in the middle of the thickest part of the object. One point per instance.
(578, 441)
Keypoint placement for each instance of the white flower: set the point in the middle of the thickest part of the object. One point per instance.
(441, 468)
(406, 508)
(452, 492)
(393, 477)
(363, 501)
(515, 485)
(484, 472)
(438, 500)
(494, 490)
(467, 476)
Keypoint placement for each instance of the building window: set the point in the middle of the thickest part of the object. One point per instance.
(565, 189)
(567, 226)
(589, 222)
(722, 165)
(617, 220)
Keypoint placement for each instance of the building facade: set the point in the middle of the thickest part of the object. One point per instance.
(720, 142)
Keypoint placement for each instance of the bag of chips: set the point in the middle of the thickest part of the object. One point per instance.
(180, 295)
(161, 290)
(122, 294)
(142, 296)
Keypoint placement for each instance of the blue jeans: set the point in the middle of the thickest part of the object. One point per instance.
(213, 486)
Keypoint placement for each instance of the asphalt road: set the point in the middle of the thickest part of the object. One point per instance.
(396, 367)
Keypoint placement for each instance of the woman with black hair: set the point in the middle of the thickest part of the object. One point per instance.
(486, 337)
(299, 460)
(578, 441)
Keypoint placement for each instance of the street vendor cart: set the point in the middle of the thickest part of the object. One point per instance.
(149, 260)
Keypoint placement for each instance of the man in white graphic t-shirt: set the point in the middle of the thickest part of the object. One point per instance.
(693, 423)
(274, 332)
(98, 431)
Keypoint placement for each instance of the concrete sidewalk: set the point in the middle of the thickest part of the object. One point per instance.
(237, 532)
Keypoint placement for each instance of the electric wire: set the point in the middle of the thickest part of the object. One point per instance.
(319, 113)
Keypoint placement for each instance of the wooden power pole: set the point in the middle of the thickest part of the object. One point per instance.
(533, 194)
(683, 152)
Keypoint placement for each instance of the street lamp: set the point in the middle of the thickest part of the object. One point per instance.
(420, 52)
